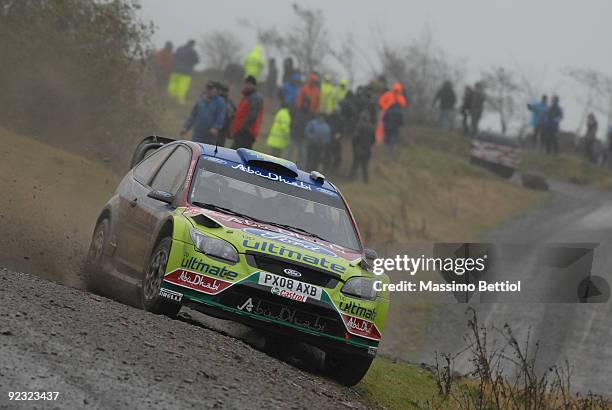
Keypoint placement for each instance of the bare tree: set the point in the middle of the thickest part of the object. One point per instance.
(422, 66)
(220, 48)
(501, 95)
(597, 89)
(306, 38)
(346, 55)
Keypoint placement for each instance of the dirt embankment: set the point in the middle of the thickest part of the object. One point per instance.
(49, 203)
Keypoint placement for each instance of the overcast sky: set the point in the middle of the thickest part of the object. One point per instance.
(538, 37)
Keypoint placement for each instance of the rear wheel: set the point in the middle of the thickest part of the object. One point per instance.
(94, 264)
(153, 278)
(347, 369)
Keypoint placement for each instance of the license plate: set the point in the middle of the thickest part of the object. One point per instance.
(290, 288)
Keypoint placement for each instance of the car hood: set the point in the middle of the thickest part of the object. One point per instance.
(251, 236)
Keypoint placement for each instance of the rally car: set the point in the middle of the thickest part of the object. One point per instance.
(245, 236)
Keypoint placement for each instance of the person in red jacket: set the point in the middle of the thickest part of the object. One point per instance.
(249, 114)
(163, 61)
(310, 93)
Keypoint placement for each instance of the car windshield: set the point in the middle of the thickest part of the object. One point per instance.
(274, 199)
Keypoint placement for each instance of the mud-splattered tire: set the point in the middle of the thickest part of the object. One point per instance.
(347, 370)
(152, 280)
(94, 264)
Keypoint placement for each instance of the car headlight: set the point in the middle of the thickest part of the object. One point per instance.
(360, 287)
(213, 246)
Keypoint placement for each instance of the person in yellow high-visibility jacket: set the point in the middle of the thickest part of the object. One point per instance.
(328, 96)
(254, 63)
(342, 90)
(280, 133)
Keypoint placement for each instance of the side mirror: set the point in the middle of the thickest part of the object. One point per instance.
(161, 196)
(370, 254)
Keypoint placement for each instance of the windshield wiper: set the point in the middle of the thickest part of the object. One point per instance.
(295, 229)
(214, 207)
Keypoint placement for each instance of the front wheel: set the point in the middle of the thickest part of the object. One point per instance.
(152, 281)
(347, 369)
(94, 264)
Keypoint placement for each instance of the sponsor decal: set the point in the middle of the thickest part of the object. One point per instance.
(293, 272)
(283, 314)
(361, 327)
(199, 265)
(248, 305)
(290, 288)
(326, 191)
(272, 176)
(292, 254)
(217, 160)
(196, 281)
(355, 309)
(170, 294)
(289, 240)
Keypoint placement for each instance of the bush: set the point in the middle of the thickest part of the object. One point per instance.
(72, 73)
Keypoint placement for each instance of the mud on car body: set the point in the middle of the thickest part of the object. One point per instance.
(244, 236)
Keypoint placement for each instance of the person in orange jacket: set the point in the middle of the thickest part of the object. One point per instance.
(310, 92)
(393, 96)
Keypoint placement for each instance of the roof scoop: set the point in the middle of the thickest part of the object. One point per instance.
(268, 162)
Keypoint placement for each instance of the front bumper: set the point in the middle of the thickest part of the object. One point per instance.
(245, 300)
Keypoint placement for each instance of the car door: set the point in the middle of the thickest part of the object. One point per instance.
(149, 212)
(128, 193)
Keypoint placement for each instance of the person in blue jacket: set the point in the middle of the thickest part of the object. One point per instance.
(290, 90)
(207, 116)
(538, 118)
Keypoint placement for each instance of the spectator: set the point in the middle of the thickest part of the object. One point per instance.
(300, 117)
(334, 151)
(162, 60)
(363, 139)
(310, 90)
(446, 99)
(538, 118)
(466, 107)
(289, 91)
(249, 114)
(394, 96)
(272, 79)
(392, 122)
(280, 133)
(554, 115)
(477, 106)
(318, 136)
(185, 59)
(343, 89)
(254, 63)
(207, 116)
(328, 91)
(230, 111)
(590, 137)
(288, 70)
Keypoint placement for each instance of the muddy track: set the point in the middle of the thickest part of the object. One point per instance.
(98, 353)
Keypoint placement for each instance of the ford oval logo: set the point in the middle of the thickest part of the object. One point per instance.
(292, 272)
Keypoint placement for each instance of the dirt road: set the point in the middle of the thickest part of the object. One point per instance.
(578, 333)
(98, 353)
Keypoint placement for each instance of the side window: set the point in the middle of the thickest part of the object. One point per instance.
(145, 170)
(172, 174)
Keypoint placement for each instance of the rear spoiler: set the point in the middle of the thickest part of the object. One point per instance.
(148, 144)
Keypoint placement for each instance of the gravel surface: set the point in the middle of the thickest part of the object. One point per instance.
(98, 353)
